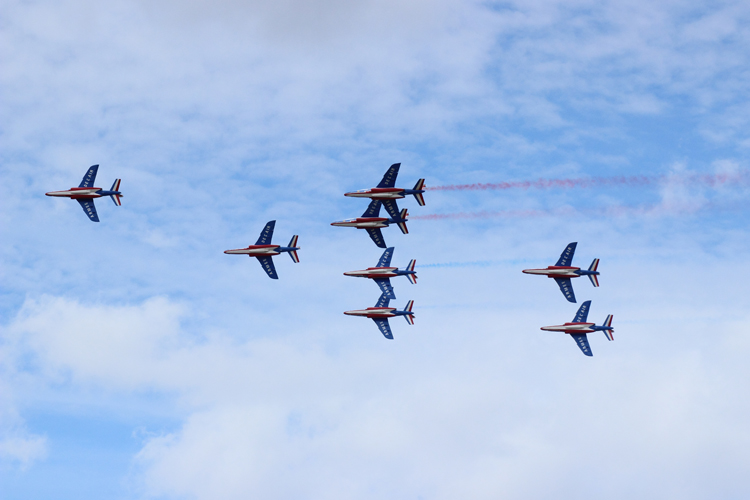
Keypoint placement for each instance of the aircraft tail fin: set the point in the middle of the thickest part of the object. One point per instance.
(419, 186)
(116, 197)
(592, 268)
(411, 277)
(609, 333)
(293, 253)
(402, 224)
(408, 308)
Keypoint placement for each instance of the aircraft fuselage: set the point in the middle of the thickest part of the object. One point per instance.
(378, 193)
(571, 328)
(373, 312)
(374, 272)
(256, 251)
(556, 271)
(79, 193)
(363, 222)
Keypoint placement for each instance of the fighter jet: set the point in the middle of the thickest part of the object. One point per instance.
(382, 273)
(372, 222)
(381, 312)
(86, 193)
(562, 272)
(389, 194)
(579, 328)
(264, 250)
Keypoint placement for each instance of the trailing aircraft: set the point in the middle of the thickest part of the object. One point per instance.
(382, 273)
(264, 250)
(85, 193)
(562, 272)
(372, 222)
(381, 312)
(579, 328)
(388, 194)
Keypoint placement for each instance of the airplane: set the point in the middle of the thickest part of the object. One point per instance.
(381, 312)
(388, 193)
(264, 250)
(562, 272)
(382, 273)
(372, 222)
(579, 328)
(85, 193)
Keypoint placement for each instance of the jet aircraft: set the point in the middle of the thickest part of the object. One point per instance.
(85, 193)
(562, 272)
(264, 250)
(381, 312)
(388, 193)
(382, 273)
(579, 328)
(372, 222)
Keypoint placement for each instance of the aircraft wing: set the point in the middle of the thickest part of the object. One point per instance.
(583, 342)
(267, 234)
(583, 312)
(385, 259)
(566, 287)
(90, 177)
(383, 301)
(567, 256)
(392, 208)
(384, 327)
(389, 179)
(268, 267)
(377, 236)
(89, 209)
(385, 287)
(373, 209)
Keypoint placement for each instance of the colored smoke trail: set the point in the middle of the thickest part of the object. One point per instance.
(709, 180)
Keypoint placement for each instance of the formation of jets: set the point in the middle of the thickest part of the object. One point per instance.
(385, 194)
(563, 272)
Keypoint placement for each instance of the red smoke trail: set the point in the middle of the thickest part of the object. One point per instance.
(710, 180)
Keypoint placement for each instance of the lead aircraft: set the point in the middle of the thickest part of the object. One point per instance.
(85, 193)
(264, 250)
(382, 273)
(562, 272)
(578, 328)
(372, 222)
(381, 312)
(388, 193)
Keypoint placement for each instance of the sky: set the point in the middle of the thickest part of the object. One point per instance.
(137, 361)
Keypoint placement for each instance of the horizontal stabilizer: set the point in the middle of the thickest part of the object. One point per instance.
(407, 309)
(593, 268)
(402, 225)
(116, 199)
(419, 186)
(116, 185)
(411, 277)
(609, 333)
(293, 244)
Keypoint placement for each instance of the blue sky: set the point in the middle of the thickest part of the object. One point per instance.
(139, 361)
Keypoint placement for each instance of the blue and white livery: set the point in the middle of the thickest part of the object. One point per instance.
(383, 272)
(264, 250)
(388, 194)
(562, 272)
(372, 222)
(85, 193)
(381, 312)
(579, 327)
